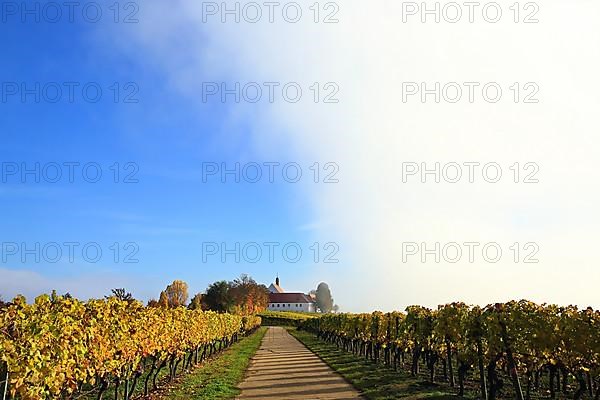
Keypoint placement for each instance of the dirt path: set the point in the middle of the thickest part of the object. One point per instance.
(284, 369)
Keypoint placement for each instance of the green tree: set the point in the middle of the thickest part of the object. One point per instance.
(324, 299)
(218, 297)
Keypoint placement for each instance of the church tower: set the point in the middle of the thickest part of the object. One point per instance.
(275, 288)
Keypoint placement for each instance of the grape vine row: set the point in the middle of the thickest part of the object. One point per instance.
(58, 345)
(525, 340)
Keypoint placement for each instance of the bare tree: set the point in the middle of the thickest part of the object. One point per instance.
(121, 294)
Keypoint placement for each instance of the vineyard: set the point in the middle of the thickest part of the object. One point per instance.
(540, 350)
(60, 347)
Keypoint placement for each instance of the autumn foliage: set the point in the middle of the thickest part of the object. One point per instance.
(57, 344)
(521, 337)
(241, 296)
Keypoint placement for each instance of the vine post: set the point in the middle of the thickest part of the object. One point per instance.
(5, 390)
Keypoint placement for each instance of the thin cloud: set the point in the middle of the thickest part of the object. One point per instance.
(371, 131)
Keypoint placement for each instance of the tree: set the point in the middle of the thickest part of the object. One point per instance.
(163, 300)
(248, 297)
(121, 294)
(241, 296)
(153, 303)
(175, 295)
(197, 302)
(217, 296)
(54, 296)
(324, 299)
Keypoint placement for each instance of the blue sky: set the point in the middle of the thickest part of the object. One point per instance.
(168, 211)
(363, 56)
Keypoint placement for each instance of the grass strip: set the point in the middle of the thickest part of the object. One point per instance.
(219, 377)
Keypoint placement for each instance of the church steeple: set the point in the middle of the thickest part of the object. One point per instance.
(275, 288)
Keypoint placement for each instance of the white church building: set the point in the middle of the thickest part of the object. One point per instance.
(279, 300)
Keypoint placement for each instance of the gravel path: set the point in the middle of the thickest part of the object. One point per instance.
(284, 369)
